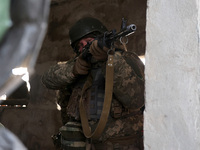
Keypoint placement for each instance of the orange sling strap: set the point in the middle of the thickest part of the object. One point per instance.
(106, 106)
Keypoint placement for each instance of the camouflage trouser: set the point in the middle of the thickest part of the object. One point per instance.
(121, 143)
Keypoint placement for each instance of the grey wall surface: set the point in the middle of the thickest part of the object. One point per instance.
(172, 76)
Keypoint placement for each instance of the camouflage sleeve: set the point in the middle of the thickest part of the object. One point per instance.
(129, 80)
(59, 76)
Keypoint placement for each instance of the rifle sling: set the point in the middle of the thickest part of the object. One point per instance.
(106, 106)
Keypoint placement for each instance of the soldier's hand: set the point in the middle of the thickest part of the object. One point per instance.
(97, 52)
(81, 67)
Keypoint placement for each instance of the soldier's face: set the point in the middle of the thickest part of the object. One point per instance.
(81, 44)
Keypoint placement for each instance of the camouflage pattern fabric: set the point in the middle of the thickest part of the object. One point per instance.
(128, 84)
(128, 97)
(60, 76)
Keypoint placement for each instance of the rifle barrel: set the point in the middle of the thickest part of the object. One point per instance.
(126, 32)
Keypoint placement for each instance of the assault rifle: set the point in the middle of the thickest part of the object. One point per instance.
(109, 37)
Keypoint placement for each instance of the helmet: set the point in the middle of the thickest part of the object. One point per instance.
(84, 27)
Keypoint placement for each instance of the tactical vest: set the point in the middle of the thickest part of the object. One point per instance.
(96, 99)
(97, 94)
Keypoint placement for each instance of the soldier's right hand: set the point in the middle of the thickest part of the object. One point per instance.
(97, 52)
(81, 67)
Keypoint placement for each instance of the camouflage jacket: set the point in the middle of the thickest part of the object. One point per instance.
(128, 93)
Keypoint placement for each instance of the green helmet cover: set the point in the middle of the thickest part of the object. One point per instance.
(84, 27)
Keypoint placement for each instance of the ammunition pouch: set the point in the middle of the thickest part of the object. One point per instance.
(119, 112)
(70, 137)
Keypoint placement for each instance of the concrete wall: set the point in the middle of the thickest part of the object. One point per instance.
(172, 75)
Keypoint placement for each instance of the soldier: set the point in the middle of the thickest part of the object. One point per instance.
(82, 86)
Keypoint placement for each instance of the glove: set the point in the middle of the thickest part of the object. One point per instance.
(97, 52)
(81, 67)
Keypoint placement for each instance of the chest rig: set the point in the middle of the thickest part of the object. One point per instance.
(94, 96)
(97, 93)
(106, 105)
